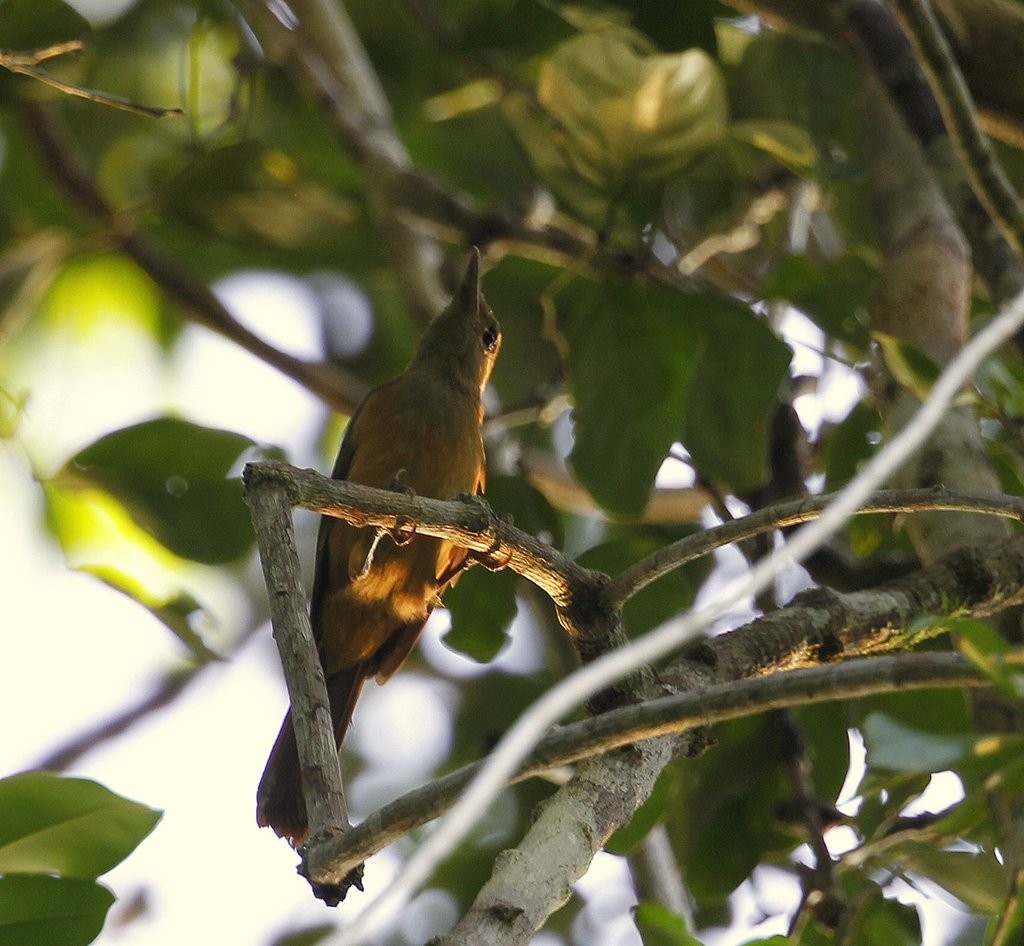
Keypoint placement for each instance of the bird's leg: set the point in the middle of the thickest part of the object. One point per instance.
(493, 559)
(364, 569)
(403, 530)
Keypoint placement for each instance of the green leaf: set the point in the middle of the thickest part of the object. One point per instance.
(1007, 927)
(30, 25)
(835, 294)
(632, 357)
(57, 911)
(977, 879)
(623, 114)
(68, 826)
(882, 922)
(659, 926)
(306, 937)
(787, 142)
(913, 370)
(172, 477)
(899, 748)
(482, 607)
(734, 392)
(669, 595)
(647, 366)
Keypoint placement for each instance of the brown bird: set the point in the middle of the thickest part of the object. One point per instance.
(371, 596)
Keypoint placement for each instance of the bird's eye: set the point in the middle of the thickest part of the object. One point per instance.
(490, 338)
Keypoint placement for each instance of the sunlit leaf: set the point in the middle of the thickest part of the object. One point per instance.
(57, 911)
(172, 477)
(659, 926)
(68, 826)
(619, 115)
(787, 142)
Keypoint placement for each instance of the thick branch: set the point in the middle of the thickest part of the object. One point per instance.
(656, 718)
(311, 712)
(468, 523)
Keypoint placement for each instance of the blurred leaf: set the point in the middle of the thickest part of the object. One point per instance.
(882, 922)
(986, 648)
(823, 729)
(616, 116)
(659, 926)
(661, 600)
(56, 911)
(798, 78)
(942, 712)
(482, 606)
(977, 879)
(306, 937)
(172, 477)
(175, 613)
(1007, 927)
(631, 363)
(733, 393)
(836, 294)
(899, 748)
(625, 114)
(848, 444)
(722, 815)
(913, 370)
(790, 144)
(30, 25)
(530, 511)
(68, 826)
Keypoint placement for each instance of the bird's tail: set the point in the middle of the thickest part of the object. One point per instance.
(279, 801)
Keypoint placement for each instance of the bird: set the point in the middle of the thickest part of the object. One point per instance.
(373, 590)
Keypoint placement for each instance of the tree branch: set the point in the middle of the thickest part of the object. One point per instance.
(199, 304)
(954, 98)
(668, 715)
(784, 515)
(307, 690)
(324, 54)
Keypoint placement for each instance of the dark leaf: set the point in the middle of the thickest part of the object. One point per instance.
(482, 607)
(57, 911)
(172, 477)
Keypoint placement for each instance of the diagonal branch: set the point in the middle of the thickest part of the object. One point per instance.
(668, 715)
(795, 512)
(199, 303)
(983, 169)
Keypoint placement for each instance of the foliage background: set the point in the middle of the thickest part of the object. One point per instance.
(645, 265)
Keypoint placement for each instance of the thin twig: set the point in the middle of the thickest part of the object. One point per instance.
(27, 64)
(783, 515)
